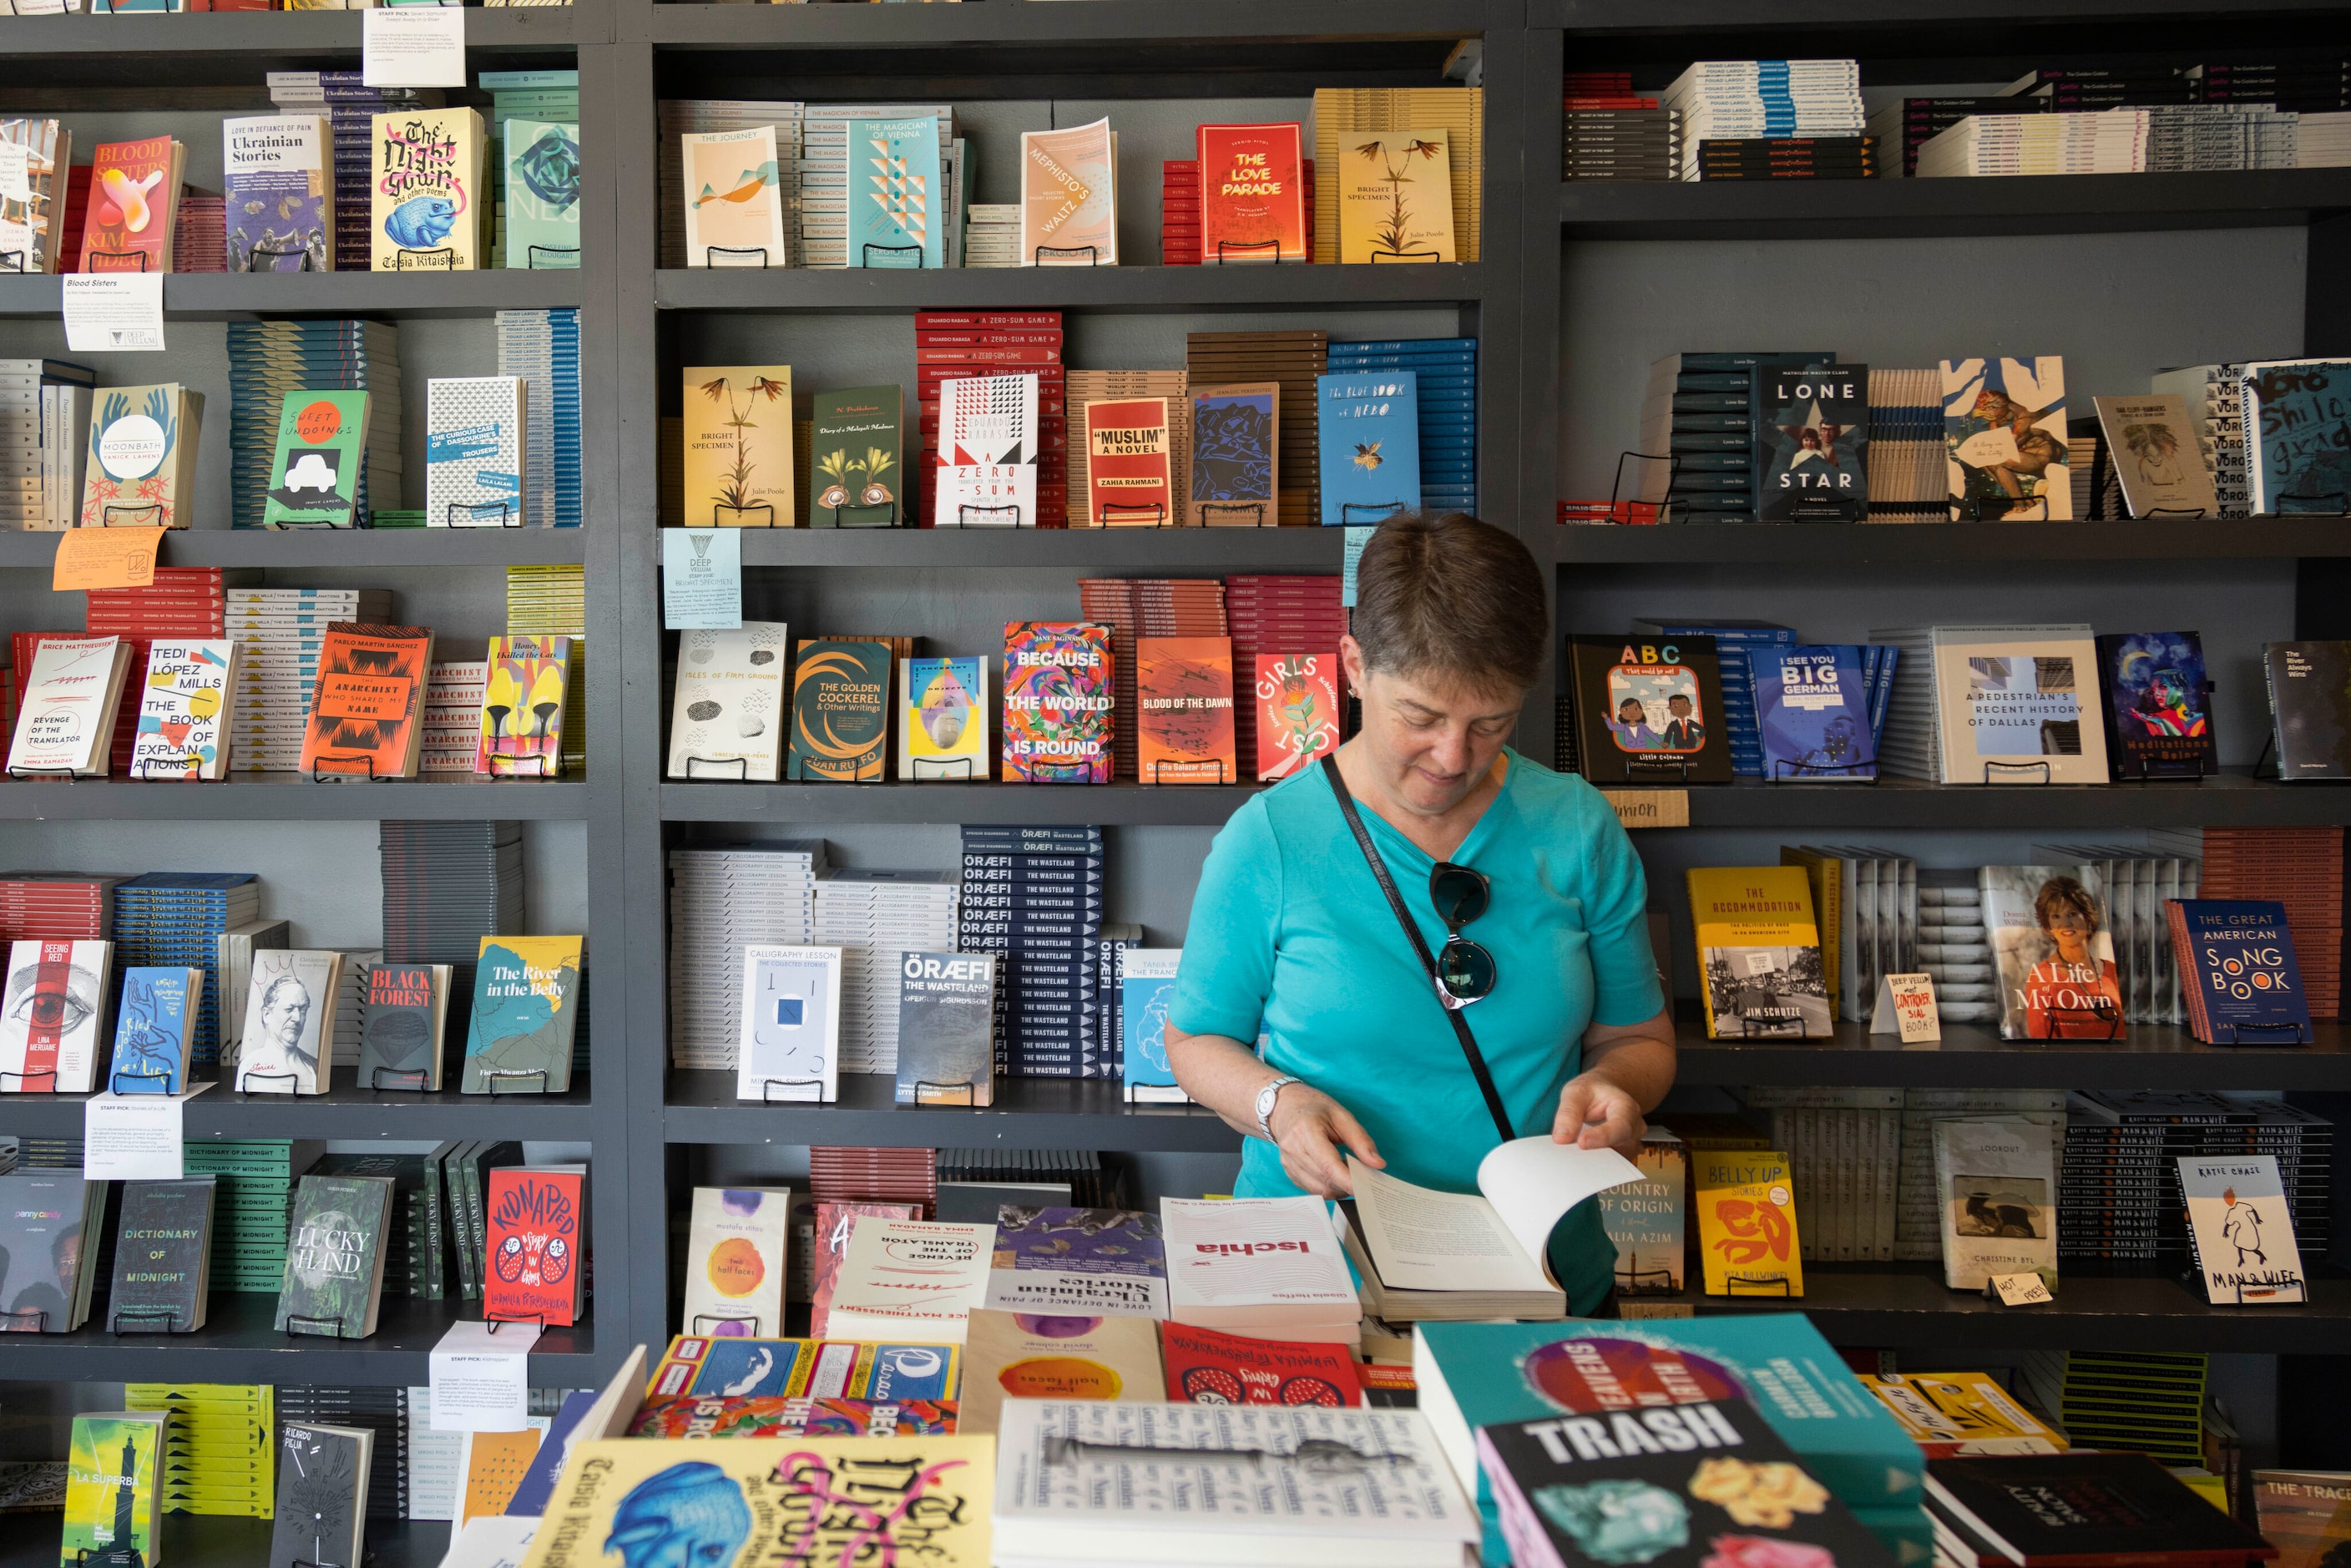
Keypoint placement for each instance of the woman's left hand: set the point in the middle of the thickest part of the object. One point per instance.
(1596, 1113)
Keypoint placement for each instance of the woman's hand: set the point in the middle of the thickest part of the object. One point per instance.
(1596, 1114)
(1309, 1128)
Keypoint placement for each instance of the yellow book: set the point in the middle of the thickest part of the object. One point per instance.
(1746, 1203)
(424, 191)
(751, 1502)
(1458, 113)
(494, 1466)
(1953, 1414)
(1396, 198)
(737, 442)
(1759, 953)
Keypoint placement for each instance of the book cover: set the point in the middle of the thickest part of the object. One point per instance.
(31, 219)
(535, 1240)
(1033, 1355)
(1758, 949)
(42, 1214)
(286, 1046)
(2243, 1231)
(66, 706)
(1395, 196)
(2014, 707)
(943, 728)
(737, 1240)
(733, 199)
(2236, 964)
(1746, 1203)
(525, 1006)
(160, 1247)
(153, 1030)
(314, 474)
(134, 191)
(1949, 1414)
(542, 194)
(424, 189)
(727, 719)
(856, 477)
(1146, 983)
(1091, 1262)
(790, 1048)
(769, 1416)
(1235, 435)
(1298, 711)
(835, 1223)
(53, 1019)
(909, 1279)
(2310, 707)
(896, 202)
(1128, 458)
(366, 707)
(879, 1500)
(1648, 712)
(987, 453)
(946, 1028)
(183, 730)
(475, 452)
(1057, 702)
(402, 1026)
(1185, 710)
(140, 468)
(2158, 707)
(2083, 1507)
(1369, 435)
(1811, 443)
(334, 1256)
(322, 1494)
(748, 1368)
(1646, 1219)
(522, 707)
(1252, 193)
(2306, 1514)
(2156, 455)
(2004, 440)
(279, 194)
(1812, 714)
(114, 1470)
(1683, 1486)
(2296, 413)
(1997, 1193)
(738, 445)
(840, 711)
(1068, 196)
(1206, 1367)
(2055, 954)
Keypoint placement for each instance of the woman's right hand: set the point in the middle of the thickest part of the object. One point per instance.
(1310, 1128)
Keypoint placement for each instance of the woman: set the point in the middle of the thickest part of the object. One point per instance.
(1291, 927)
(2075, 994)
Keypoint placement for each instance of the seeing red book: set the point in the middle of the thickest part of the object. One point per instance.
(1205, 1367)
(1184, 723)
(367, 709)
(1252, 193)
(1298, 713)
(536, 1234)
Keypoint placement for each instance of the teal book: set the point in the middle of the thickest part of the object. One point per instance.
(525, 1009)
(1478, 1375)
(314, 476)
(542, 190)
(333, 1281)
(1369, 432)
(896, 217)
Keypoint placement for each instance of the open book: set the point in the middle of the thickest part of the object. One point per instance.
(1445, 1257)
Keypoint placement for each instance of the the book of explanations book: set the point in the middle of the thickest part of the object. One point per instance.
(426, 191)
(278, 193)
(525, 1006)
(334, 1256)
(857, 443)
(728, 718)
(184, 728)
(737, 432)
(840, 711)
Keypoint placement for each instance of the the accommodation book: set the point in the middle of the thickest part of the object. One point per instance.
(2111, 1509)
(2236, 963)
(322, 1494)
(526, 1006)
(162, 1243)
(334, 1255)
(1759, 953)
(946, 1018)
(2241, 1231)
(790, 1044)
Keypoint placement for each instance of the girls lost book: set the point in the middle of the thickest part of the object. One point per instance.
(1297, 711)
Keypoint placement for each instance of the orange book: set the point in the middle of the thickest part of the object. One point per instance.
(1252, 193)
(1298, 713)
(495, 1463)
(134, 194)
(1129, 482)
(367, 706)
(1184, 719)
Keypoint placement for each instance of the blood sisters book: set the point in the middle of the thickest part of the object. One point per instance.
(134, 195)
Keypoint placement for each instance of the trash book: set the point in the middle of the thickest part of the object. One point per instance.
(727, 718)
(738, 1242)
(1759, 953)
(2236, 963)
(314, 474)
(526, 1005)
(426, 191)
(278, 193)
(791, 1045)
(2241, 1232)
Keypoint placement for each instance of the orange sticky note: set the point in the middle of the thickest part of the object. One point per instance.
(106, 557)
(495, 1463)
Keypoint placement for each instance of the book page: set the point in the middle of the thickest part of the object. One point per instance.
(1532, 1181)
(1428, 1241)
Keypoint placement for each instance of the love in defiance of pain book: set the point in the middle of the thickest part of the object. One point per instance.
(278, 193)
(183, 730)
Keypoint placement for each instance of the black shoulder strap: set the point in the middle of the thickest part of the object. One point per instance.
(1428, 960)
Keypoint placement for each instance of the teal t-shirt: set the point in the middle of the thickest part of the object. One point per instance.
(1290, 928)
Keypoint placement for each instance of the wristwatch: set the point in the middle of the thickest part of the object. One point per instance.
(1264, 1099)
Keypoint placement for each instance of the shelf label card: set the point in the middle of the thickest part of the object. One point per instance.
(1906, 1006)
(480, 1378)
(413, 46)
(105, 558)
(1356, 540)
(701, 580)
(2022, 1290)
(135, 1137)
(114, 312)
(1649, 808)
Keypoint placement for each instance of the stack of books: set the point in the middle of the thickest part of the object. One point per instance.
(2145, 1401)
(2110, 141)
(43, 412)
(1277, 616)
(1908, 482)
(954, 345)
(350, 107)
(992, 236)
(1910, 123)
(183, 602)
(542, 347)
(1699, 432)
(2321, 141)
(379, 1410)
(1919, 1207)
(552, 602)
(216, 1447)
(1105, 1052)
(252, 1205)
(1179, 211)
(2134, 887)
(2090, 89)
(2215, 398)
(453, 716)
(56, 904)
(1089, 386)
(1445, 374)
(434, 1469)
(200, 237)
(48, 147)
(174, 919)
(350, 1001)
(876, 918)
(824, 173)
(268, 361)
(719, 901)
(857, 1174)
(2192, 137)
(446, 885)
(680, 118)
(1294, 359)
(1843, 1149)
(1145, 607)
(1994, 1510)
(279, 633)
(1611, 132)
(1035, 895)
(2300, 868)
(1744, 100)
(2121, 1209)
(2306, 84)
(1459, 111)
(1790, 158)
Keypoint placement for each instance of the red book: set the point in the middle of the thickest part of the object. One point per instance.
(965, 318)
(1205, 1367)
(133, 188)
(833, 1221)
(948, 337)
(1252, 193)
(1298, 711)
(536, 1237)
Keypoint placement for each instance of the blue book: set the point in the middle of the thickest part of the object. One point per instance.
(1369, 429)
(1479, 1375)
(537, 1486)
(1811, 710)
(897, 211)
(2236, 959)
(1146, 986)
(153, 1030)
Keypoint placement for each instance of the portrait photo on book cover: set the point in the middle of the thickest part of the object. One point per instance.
(2009, 1205)
(2056, 957)
(2020, 705)
(1655, 708)
(1767, 991)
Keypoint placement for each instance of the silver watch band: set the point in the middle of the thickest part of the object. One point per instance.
(1265, 1099)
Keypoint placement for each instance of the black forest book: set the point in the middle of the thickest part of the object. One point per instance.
(401, 1037)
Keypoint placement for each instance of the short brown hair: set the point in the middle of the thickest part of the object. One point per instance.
(1452, 595)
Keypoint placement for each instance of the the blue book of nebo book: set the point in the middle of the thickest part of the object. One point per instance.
(2239, 962)
(1811, 711)
(153, 1030)
(1369, 429)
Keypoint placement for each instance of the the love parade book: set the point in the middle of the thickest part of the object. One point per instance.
(1252, 193)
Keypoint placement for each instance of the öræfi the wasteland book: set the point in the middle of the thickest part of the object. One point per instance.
(946, 1018)
(1442, 1256)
